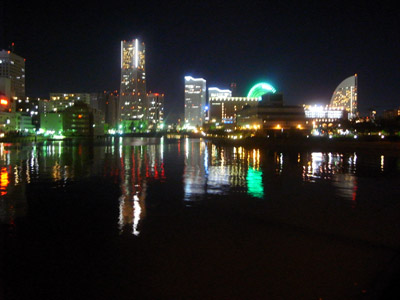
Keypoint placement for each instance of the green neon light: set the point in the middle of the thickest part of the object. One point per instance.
(255, 185)
(261, 89)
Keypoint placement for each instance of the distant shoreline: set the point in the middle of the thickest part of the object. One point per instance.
(277, 144)
(313, 144)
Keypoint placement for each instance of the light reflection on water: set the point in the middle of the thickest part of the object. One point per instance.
(207, 169)
(223, 171)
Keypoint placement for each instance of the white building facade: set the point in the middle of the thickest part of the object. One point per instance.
(195, 102)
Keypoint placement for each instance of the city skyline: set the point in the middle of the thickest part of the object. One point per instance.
(304, 50)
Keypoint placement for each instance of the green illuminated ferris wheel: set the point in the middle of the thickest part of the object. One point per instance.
(260, 89)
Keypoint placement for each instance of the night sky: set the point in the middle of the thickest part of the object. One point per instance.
(303, 49)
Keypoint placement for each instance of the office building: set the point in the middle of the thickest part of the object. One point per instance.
(62, 101)
(111, 108)
(155, 110)
(216, 92)
(29, 107)
(325, 114)
(51, 122)
(275, 119)
(271, 115)
(133, 100)
(391, 113)
(195, 102)
(81, 120)
(345, 95)
(223, 110)
(12, 75)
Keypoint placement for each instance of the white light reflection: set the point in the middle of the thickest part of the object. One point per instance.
(59, 148)
(28, 176)
(187, 147)
(162, 148)
(120, 147)
(206, 159)
(137, 210)
(16, 175)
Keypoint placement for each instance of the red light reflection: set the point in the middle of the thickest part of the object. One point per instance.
(3, 181)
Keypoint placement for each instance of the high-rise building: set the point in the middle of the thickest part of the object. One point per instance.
(345, 95)
(155, 110)
(82, 120)
(195, 101)
(216, 92)
(61, 101)
(133, 100)
(29, 107)
(12, 75)
(111, 108)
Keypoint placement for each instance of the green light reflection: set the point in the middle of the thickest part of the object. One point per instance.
(255, 186)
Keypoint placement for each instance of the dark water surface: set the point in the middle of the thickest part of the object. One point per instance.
(147, 218)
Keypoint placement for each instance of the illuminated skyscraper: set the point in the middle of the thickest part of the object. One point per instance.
(345, 96)
(12, 75)
(195, 101)
(156, 110)
(133, 100)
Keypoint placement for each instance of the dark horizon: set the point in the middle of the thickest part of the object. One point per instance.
(303, 50)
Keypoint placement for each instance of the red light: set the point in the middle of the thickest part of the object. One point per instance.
(79, 116)
(4, 102)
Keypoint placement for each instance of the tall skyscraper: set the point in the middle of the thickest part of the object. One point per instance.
(195, 101)
(345, 95)
(156, 110)
(12, 75)
(133, 100)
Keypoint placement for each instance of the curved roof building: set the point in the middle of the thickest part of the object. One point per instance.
(345, 95)
(260, 89)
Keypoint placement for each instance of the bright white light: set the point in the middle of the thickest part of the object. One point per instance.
(316, 108)
(190, 78)
(218, 90)
(58, 137)
(315, 133)
(137, 53)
